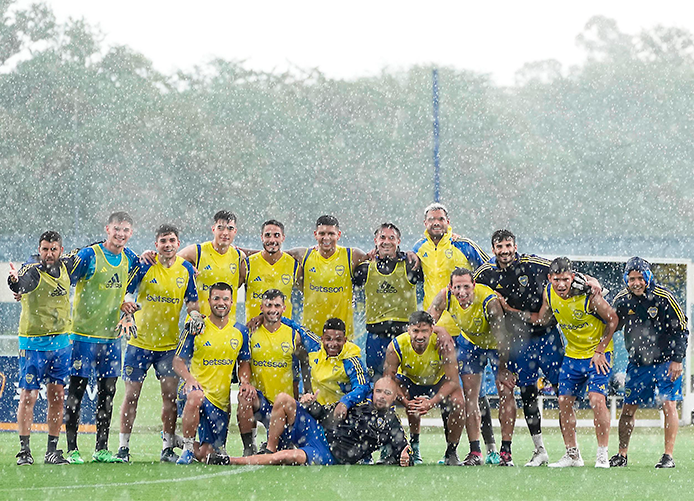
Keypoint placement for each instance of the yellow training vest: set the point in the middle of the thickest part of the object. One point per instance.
(389, 297)
(46, 309)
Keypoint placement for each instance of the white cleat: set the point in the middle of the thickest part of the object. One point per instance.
(567, 461)
(540, 458)
(601, 460)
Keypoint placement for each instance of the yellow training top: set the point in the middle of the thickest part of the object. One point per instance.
(473, 321)
(425, 369)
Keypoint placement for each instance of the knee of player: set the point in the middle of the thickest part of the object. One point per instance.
(283, 399)
(457, 399)
(597, 400)
(195, 398)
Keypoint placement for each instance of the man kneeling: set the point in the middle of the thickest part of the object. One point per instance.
(367, 427)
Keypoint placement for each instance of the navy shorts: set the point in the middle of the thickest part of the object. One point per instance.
(48, 367)
(643, 381)
(417, 390)
(576, 374)
(473, 359)
(101, 359)
(530, 356)
(138, 361)
(306, 434)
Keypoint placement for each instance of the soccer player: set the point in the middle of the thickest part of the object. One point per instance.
(269, 269)
(427, 375)
(274, 349)
(389, 283)
(162, 289)
(212, 356)
(655, 335)
(101, 278)
(479, 318)
(521, 279)
(588, 322)
(326, 275)
(44, 343)
(366, 427)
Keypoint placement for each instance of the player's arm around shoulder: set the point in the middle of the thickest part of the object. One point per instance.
(439, 304)
(600, 307)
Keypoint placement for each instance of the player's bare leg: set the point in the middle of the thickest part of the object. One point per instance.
(626, 426)
(601, 418)
(672, 424)
(286, 457)
(567, 417)
(56, 399)
(191, 413)
(168, 400)
(25, 411)
(283, 415)
(128, 410)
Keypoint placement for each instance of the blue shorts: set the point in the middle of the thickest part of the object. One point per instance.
(138, 361)
(376, 346)
(576, 374)
(213, 426)
(473, 359)
(306, 434)
(531, 355)
(262, 415)
(417, 390)
(642, 381)
(49, 367)
(101, 359)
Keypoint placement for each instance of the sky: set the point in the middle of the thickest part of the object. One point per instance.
(360, 38)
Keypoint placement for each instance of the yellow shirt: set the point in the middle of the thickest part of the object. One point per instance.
(214, 267)
(425, 369)
(213, 355)
(262, 276)
(583, 330)
(271, 361)
(328, 374)
(473, 321)
(328, 289)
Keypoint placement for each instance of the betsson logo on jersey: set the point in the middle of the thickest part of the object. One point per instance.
(217, 361)
(163, 299)
(270, 364)
(328, 290)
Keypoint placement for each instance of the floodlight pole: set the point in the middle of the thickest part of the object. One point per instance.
(435, 97)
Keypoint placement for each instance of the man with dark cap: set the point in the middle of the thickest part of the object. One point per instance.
(655, 335)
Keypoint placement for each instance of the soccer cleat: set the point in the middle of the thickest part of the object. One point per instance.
(74, 457)
(55, 458)
(492, 458)
(665, 462)
(416, 455)
(123, 454)
(601, 460)
(177, 440)
(24, 458)
(506, 459)
(539, 458)
(567, 461)
(219, 459)
(618, 461)
(168, 456)
(105, 456)
(473, 459)
(452, 459)
(187, 457)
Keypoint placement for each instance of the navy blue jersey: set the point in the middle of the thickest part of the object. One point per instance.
(655, 327)
(521, 284)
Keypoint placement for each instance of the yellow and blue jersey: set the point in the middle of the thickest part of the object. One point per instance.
(426, 369)
(272, 360)
(583, 330)
(328, 289)
(214, 267)
(261, 276)
(213, 355)
(162, 292)
(473, 321)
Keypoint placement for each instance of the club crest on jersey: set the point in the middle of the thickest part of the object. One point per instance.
(477, 321)
(449, 253)
(234, 343)
(652, 311)
(523, 280)
(29, 378)
(128, 370)
(578, 314)
(180, 282)
(380, 423)
(339, 269)
(286, 279)
(232, 267)
(285, 347)
(77, 364)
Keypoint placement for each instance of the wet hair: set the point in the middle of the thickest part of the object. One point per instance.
(271, 294)
(327, 221)
(120, 217)
(221, 286)
(273, 222)
(335, 324)
(435, 206)
(224, 215)
(501, 235)
(419, 317)
(387, 226)
(50, 236)
(560, 265)
(165, 229)
(461, 272)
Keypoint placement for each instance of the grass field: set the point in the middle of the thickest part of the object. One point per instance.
(146, 479)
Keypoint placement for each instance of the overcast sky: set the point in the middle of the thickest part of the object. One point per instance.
(356, 38)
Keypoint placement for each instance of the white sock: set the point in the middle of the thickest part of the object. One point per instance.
(125, 440)
(188, 444)
(573, 452)
(537, 440)
(602, 449)
(168, 440)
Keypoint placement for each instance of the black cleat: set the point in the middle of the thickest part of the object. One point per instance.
(24, 458)
(218, 459)
(473, 459)
(55, 458)
(618, 461)
(123, 454)
(665, 462)
(506, 459)
(452, 459)
(168, 456)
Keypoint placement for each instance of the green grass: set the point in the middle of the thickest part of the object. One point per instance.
(146, 479)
